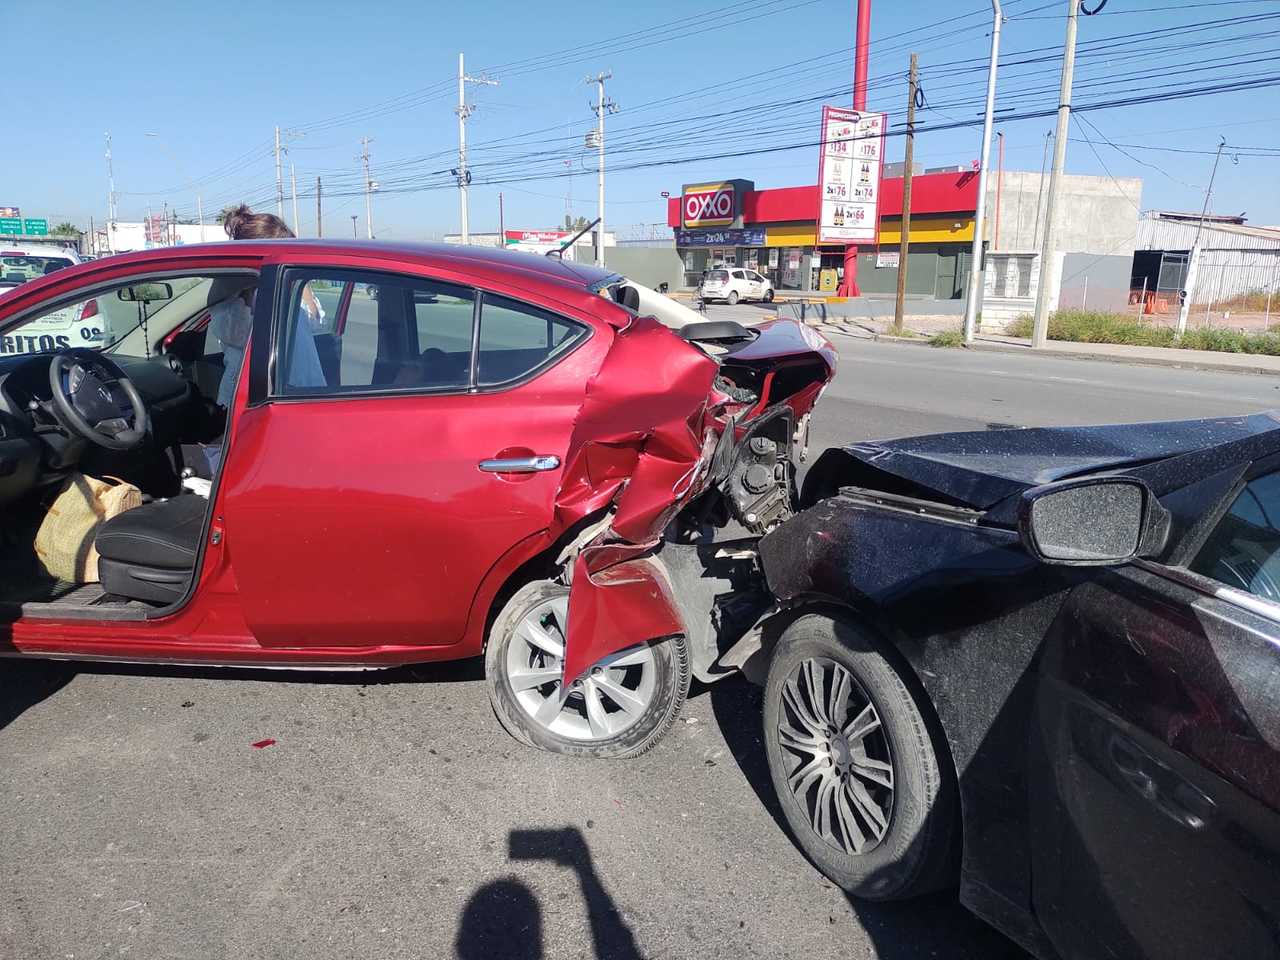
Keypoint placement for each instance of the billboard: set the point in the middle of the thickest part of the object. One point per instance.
(535, 241)
(709, 205)
(849, 167)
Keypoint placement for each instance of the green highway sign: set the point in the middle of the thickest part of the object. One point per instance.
(11, 225)
(35, 228)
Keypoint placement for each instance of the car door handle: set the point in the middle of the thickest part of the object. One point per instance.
(534, 464)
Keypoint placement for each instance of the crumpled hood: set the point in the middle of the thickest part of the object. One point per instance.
(979, 469)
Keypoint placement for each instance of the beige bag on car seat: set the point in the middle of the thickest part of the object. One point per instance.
(65, 541)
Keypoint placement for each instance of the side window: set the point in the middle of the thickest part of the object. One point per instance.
(516, 339)
(349, 332)
(739, 275)
(1244, 549)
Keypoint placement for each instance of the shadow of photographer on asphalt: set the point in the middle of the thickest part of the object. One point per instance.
(503, 919)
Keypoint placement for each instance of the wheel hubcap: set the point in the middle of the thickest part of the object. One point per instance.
(610, 698)
(836, 754)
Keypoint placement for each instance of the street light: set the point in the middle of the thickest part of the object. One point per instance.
(354, 218)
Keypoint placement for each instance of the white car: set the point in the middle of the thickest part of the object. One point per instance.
(73, 326)
(732, 284)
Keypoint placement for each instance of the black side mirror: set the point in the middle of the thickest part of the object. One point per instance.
(145, 293)
(1095, 521)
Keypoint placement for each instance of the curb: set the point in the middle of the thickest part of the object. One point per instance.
(1141, 360)
(1024, 350)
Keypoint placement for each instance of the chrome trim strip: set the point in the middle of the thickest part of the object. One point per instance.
(1211, 588)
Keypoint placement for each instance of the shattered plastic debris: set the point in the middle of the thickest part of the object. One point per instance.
(263, 743)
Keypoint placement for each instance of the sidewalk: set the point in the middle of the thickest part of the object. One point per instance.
(1120, 353)
(1064, 349)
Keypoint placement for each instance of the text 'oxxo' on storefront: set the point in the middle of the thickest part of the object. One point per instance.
(730, 223)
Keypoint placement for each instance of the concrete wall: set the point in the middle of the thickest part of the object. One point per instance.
(1099, 215)
(1077, 281)
(1009, 288)
(650, 266)
(1094, 283)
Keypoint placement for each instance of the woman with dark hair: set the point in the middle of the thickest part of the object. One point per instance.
(241, 223)
(304, 368)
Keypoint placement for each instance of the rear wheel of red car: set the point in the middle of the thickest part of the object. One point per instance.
(854, 764)
(619, 709)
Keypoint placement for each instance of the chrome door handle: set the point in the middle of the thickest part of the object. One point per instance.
(536, 464)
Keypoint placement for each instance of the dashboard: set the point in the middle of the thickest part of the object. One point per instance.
(35, 451)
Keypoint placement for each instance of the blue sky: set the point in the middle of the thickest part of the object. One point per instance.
(698, 79)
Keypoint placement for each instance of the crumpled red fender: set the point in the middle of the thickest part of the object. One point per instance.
(620, 597)
(641, 442)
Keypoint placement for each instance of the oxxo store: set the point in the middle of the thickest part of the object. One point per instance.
(730, 223)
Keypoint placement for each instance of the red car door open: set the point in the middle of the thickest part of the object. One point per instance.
(364, 504)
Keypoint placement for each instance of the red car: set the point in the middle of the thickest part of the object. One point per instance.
(411, 453)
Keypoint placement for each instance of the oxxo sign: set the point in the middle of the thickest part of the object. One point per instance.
(716, 204)
(709, 205)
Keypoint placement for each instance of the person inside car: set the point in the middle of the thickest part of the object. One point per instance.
(231, 321)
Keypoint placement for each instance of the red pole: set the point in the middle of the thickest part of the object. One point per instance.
(861, 52)
(862, 47)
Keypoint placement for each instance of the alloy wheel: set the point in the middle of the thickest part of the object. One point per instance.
(611, 698)
(840, 770)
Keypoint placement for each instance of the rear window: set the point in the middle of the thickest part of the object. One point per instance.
(517, 338)
(19, 269)
(718, 276)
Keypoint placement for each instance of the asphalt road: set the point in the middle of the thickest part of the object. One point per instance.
(393, 818)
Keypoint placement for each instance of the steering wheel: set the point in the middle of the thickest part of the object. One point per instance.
(95, 400)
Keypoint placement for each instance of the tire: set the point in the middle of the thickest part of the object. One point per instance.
(768, 295)
(639, 692)
(914, 853)
(732, 298)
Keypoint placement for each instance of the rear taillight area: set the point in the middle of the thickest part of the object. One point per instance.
(90, 309)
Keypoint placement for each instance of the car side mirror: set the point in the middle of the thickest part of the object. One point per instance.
(1095, 521)
(145, 293)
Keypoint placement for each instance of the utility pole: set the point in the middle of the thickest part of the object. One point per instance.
(369, 186)
(861, 54)
(908, 160)
(979, 216)
(279, 180)
(1040, 330)
(293, 188)
(463, 110)
(502, 222)
(1193, 264)
(1044, 162)
(354, 218)
(111, 196)
(319, 218)
(602, 107)
(200, 215)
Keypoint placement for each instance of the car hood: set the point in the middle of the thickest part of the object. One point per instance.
(978, 469)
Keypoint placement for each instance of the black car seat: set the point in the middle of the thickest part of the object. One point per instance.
(149, 553)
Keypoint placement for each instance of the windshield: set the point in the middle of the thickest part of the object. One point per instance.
(108, 321)
(19, 268)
